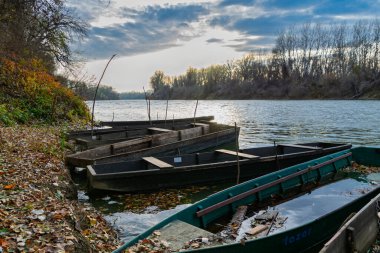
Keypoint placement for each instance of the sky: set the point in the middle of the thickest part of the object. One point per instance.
(172, 36)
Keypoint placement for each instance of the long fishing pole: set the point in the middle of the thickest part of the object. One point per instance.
(96, 91)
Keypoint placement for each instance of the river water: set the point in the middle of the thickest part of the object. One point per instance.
(265, 121)
(261, 122)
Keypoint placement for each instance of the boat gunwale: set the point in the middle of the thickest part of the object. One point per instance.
(207, 118)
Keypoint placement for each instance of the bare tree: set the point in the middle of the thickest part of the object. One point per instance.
(39, 28)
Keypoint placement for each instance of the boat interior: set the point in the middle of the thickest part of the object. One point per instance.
(218, 156)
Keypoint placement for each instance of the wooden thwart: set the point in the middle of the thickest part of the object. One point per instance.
(159, 130)
(157, 162)
(298, 146)
(229, 152)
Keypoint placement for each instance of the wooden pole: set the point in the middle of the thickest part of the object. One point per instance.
(149, 112)
(237, 154)
(166, 112)
(96, 91)
(275, 149)
(147, 106)
(195, 111)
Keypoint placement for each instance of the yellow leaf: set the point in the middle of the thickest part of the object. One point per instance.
(86, 232)
(92, 221)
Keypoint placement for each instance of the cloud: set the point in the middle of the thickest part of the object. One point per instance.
(252, 44)
(148, 29)
(266, 18)
(144, 28)
(89, 10)
(215, 40)
(236, 2)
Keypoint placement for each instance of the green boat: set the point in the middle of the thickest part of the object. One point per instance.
(306, 237)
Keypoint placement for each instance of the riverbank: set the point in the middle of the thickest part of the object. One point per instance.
(39, 210)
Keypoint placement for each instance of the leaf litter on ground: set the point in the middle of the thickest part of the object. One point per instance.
(39, 211)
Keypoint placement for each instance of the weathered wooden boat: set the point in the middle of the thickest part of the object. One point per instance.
(100, 139)
(301, 238)
(154, 122)
(151, 173)
(200, 137)
(120, 126)
(359, 232)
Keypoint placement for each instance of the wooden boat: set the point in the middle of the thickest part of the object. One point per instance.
(359, 232)
(301, 238)
(155, 122)
(151, 173)
(100, 139)
(120, 126)
(200, 137)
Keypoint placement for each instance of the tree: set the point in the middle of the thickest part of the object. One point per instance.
(157, 81)
(39, 28)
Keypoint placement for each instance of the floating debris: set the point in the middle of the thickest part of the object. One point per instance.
(355, 167)
(162, 200)
(257, 229)
(263, 223)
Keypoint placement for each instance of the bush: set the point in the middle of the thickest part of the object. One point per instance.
(29, 93)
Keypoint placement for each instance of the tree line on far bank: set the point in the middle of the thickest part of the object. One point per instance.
(309, 61)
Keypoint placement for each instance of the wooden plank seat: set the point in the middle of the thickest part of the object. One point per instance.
(298, 146)
(159, 130)
(157, 162)
(243, 155)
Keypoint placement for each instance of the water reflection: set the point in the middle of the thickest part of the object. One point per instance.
(130, 224)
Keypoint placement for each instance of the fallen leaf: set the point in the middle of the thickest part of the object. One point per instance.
(92, 221)
(3, 243)
(9, 187)
(86, 232)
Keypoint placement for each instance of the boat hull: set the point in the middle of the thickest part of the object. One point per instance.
(155, 122)
(358, 233)
(137, 148)
(155, 179)
(120, 126)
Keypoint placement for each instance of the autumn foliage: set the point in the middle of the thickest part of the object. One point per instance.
(28, 93)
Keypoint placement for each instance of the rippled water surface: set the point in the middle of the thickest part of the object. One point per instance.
(261, 122)
(265, 121)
